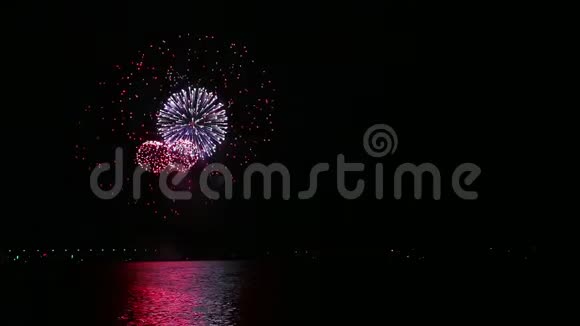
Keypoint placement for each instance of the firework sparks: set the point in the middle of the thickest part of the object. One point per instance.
(126, 111)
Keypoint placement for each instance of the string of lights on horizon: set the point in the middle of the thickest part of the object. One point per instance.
(405, 255)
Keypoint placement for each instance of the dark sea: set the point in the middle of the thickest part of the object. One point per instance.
(200, 293)
(249, 293)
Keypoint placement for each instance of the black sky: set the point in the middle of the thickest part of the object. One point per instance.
(340, 70)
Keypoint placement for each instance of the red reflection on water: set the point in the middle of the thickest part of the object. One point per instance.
(183, 293)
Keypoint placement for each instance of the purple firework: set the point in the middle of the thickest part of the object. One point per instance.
(194, 115)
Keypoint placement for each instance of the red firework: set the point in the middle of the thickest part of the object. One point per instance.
(183, 155)
(153, 156)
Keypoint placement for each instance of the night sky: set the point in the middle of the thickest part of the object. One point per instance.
(340, 70)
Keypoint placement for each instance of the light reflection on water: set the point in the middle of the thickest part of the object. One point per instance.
(183, 293)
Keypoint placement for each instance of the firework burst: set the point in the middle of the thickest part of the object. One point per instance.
(194, 115)
(163, 75)
(153, 156)
(183, 155)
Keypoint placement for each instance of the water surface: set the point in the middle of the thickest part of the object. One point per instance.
(199, 293)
